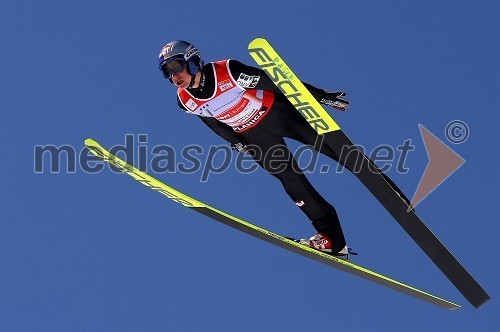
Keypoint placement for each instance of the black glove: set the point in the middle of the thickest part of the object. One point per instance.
(335, 100)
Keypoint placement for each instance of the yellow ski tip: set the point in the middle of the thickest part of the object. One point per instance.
(91, 142)
(258, 42)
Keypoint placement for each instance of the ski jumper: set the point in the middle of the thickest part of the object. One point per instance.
(242, 105)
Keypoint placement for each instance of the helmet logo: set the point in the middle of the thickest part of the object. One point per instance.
(166, 49)
(190, 51)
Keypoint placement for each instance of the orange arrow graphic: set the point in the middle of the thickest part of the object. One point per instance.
(443, 162)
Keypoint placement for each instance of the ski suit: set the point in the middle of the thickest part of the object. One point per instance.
(242, 105)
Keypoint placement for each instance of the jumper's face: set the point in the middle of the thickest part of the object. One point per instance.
(181, 79)
(175, 69)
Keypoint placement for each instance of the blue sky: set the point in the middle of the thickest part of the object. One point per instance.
(101, 252)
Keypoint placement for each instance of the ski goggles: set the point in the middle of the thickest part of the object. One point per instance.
(173, 66)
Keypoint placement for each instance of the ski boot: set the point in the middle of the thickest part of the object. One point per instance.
(322, 243)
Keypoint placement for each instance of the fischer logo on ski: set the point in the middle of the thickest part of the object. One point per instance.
(282, 76)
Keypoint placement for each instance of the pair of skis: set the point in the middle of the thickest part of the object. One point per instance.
(267, 58)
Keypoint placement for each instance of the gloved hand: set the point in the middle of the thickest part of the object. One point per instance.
(240, 147)
(335, 100)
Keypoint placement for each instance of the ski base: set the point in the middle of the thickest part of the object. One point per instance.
(379, 185)
(262, 233)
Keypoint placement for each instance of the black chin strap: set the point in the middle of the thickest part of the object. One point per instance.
(192, 82)
(202, 81)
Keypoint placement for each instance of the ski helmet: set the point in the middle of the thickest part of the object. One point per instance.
(177, 55)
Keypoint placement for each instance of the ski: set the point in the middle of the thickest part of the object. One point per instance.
(377, 183)
(262, 233)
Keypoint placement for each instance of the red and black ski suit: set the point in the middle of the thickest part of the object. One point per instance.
(242, 105)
